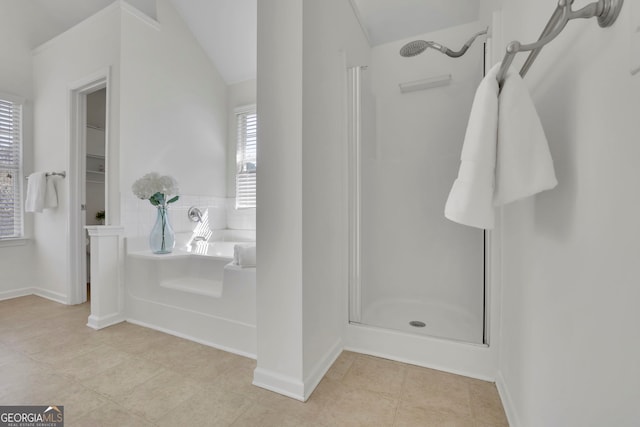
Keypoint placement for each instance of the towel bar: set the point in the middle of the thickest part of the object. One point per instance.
(606, 11)
(62, 174)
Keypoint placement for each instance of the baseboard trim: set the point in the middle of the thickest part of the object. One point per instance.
(97, 323)
(23, 292)
(191, 338)
(51, 295)
(279, 383)
(15, 293)
(507, 401)
(321, 368)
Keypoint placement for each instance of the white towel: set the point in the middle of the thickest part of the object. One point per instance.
(51, 195)
(36, 190)
(244, 255)
(41, 193)
(505, 156)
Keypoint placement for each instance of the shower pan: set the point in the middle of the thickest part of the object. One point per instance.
(411, 270)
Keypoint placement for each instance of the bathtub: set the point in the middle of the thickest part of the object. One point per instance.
(195, 292)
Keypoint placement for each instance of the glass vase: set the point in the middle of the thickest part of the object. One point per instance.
(162, 238)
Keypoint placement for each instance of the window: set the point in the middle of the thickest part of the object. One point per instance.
(246, 158)
(10, 167)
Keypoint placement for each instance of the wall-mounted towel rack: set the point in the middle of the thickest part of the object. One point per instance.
(62, 174)
(606, 11)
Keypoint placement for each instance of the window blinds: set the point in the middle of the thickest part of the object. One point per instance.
(10, 164)
(246, 159)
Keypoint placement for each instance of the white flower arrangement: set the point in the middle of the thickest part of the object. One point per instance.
(156, 189)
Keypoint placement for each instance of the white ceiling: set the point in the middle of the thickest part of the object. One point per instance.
(385, 21)
(227, 29)
(37, 21)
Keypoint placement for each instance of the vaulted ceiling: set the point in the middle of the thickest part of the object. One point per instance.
(227, 29)
(385, 21)
(41, 20)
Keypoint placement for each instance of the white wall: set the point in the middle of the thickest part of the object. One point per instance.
(279, 225)
(570, 348)
(167, 114)
(87, 48)
(409, 250)
(333, 41)
(16, 79)
(302, 222)
(173, 109)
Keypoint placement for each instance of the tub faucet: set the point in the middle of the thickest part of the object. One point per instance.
(194, 214)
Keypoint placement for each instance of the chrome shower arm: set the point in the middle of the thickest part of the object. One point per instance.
(416, 47)
(465, 47)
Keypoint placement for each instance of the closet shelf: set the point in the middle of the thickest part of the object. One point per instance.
(95, 156)
(96, 172)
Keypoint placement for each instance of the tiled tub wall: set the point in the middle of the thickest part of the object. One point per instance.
(139, 215)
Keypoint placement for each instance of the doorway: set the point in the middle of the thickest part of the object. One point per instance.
(95, 161)
(89, 172)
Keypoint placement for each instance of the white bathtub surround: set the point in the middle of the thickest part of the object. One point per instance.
(107, 259)
(194, 292)
(244, 255)
(240, 219)
(138, 218)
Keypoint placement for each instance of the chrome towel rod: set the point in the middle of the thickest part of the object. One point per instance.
(606, 11)
(62, 174)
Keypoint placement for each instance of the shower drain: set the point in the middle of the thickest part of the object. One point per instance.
(417, 324)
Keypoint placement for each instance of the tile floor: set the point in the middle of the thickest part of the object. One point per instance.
(127, 375)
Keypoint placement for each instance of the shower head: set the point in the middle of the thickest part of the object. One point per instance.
(416, 47)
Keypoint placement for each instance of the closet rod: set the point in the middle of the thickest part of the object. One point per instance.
(606, 11)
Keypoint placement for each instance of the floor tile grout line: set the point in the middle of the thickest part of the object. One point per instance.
(404, 380)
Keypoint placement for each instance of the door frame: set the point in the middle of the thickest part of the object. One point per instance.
(77, 260)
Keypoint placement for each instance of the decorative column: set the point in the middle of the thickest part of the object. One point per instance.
(107, 268)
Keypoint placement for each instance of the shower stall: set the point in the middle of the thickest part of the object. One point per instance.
(411, 270)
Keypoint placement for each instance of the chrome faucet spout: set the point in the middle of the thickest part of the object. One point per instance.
(194, 214)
